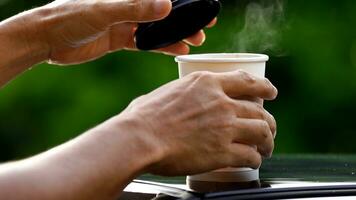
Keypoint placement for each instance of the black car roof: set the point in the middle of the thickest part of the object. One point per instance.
(283, 176)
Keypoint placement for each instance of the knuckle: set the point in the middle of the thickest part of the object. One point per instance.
(270, 120)
(195, 75)
(228, 125)
(260, 111)
(205, 75)
(264, 135)
(266, 144)
(268, 149)
(225, 126)
(242, 72)
(242, 108)
(264, 131)
(218, 143)
(253, 159)
(263, 126)
(202, 76)
(259, 107)
(135, 7)
(226, 104)
(246, 77)
(271, 91)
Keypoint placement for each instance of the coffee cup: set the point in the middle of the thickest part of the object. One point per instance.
(228, 178)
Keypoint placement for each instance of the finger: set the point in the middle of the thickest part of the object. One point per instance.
(121, 36)
(240, 83)
(179, 48)
(196, 39)
(212, 23)
(254, 133)
(135, 10)
(252, 99)
(252, 110)
(242, 155)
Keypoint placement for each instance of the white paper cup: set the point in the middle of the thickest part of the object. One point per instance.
(223, 62)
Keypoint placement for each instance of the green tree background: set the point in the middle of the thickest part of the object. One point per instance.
(314, 69)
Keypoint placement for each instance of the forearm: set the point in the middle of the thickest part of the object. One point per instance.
(21, 46)
(96, 165)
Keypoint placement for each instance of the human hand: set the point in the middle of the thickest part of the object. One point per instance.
(189, 126)
(82, 30)
(199, 123)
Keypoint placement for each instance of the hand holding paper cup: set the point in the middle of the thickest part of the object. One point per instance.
(251, 63)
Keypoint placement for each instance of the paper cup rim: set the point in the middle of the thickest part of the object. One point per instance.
(222, 58)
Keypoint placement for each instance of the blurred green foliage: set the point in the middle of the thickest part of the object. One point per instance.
(316, 75)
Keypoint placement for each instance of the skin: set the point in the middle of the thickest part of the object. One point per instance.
(188, 126)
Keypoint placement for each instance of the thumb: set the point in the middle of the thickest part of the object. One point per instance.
(139, 10)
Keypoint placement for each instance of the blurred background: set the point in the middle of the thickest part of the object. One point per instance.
(312, 48)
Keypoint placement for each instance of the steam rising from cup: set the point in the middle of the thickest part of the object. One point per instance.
(263, 28)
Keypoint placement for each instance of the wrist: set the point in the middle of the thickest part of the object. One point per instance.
(33, 33)
(105, 159)
(24, 34)
(22, 45)
(147, 148)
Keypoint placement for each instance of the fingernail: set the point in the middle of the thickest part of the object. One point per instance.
(161, 7)
(276, 92)
(267, 155)
(203, 39)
